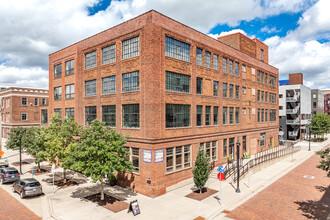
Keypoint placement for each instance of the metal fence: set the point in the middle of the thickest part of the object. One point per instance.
(262, 157)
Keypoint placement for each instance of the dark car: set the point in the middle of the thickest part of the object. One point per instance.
(9, 175)
(27, 187)
(3, 165)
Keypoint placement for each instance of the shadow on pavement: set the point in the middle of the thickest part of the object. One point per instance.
(316, 209)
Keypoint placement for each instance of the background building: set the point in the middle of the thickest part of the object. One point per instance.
(20, 107)
(317, 101)
(294, 107)
(326, 101)
(173, 90)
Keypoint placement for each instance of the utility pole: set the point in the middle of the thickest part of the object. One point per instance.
(237, 151)
(20, 154)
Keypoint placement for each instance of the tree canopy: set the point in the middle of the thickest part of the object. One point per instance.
(320, 124)
(201, 170)
(325, 160)
(99, 152)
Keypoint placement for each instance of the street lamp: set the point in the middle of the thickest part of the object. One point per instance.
(309, 144)
(20, 154)
(237, 151)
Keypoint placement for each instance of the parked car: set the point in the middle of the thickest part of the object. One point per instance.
(27, 187)
(3, 165)
(9, 175)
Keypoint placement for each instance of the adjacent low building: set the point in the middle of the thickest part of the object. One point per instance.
(173, 90)
(294, 107)
(22, 107)
(326, 101)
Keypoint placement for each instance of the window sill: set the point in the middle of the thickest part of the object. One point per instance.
(176, 59)
(130, 128)
(176, 171)
(175, 128)
(69, 74)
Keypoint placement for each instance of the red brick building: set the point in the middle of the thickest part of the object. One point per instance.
(22, 107)
(172, 89)
(326, 101)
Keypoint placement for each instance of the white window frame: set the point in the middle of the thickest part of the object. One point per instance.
(22, 116)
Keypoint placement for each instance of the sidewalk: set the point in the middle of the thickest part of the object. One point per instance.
(67, 203)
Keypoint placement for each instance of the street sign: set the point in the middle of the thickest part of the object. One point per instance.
(281, 133)
(221, 176)
(220, 168)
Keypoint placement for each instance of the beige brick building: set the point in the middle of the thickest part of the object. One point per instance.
(172, 89)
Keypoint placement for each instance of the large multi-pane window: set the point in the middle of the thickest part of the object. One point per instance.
(109, 54)
(231, 67)
(44, 116)
(272, 80)
(262, 115)
(236, 68)
(207, 115)
(131, 116)
(69, 91)
(90, 88)
(224, 148)
(131, 81)
(207, 59)
(237, 115)
(224, 115)
(109, 115)
(215, 88)
(58, 93)
(178, 158)
(272, 115)
(262, 95)
(69, 67)
(199, 56)
(215, 62)
(224, 65)
(177, 115)
(258, 76)
(231, 115)
(199, 86)
(69, 113)
(177, 49)
(210, 149)
(258, 114)
(131, 48)
(266, 115)
(58, 111)
(258, 95)
(237, 92)
(272, 98)
(266, 96)
(58, 70)
(199, 115)
(109, 85)
(262, 77)
(224, 90)
(90, 114)
(177, 82)
(90, 60)
(215, 115)
(231, 91)
(266, 78)
(133, 157)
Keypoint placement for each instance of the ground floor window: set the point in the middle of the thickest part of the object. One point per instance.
(44, 116)
(262, 139)
(90, 114)
(69, 113)
(210, 149)
(231, 147)
(178, 158)
(224, 148)
(134, 158)
(244, 144)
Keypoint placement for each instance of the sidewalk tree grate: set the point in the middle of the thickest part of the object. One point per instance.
(309, 177)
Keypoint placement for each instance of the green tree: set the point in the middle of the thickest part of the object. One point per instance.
(60, 134)
(325, 160)
(201, 170)
(17, 137)
(320, 124)
(36, 146)
(99, 153)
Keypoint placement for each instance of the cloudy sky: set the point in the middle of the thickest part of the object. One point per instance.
(296, 31)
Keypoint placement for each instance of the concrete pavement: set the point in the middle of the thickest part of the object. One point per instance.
(68, 203)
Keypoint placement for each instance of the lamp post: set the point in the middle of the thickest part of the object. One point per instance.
(309, 141)
(20, 154)
(237, 151)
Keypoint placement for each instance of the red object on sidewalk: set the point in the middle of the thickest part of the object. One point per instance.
(221, 177)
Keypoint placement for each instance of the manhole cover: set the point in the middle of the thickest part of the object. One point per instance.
(309, 177)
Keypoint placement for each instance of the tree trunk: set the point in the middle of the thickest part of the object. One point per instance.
(200, 190)
(102, 193)
(38, 167)
(64, 175)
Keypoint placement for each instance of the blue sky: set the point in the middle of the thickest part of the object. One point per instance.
(296, 31)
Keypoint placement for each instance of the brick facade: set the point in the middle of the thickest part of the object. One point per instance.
(12, 108)
(152, 97)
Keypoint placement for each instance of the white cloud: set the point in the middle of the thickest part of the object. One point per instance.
(30, 30)
(300, 51)
(269, 30)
